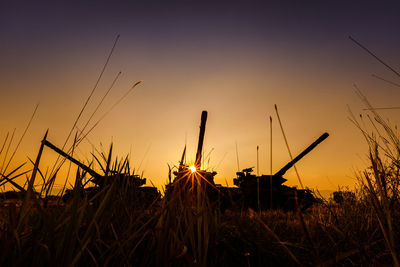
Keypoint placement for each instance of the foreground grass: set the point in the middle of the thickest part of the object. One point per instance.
(110, 230)
(115, 225)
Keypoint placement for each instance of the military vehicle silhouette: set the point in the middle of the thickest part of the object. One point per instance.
(251, 191)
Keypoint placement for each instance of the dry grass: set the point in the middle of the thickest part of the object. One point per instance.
(113, 226)
(109, 228)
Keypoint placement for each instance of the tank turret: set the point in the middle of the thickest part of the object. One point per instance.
(144, 195)
(193, 176)
(282, 195)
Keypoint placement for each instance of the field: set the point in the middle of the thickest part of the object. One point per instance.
(109, 218)
(116, 225)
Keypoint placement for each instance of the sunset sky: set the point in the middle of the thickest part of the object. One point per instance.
(235, 59)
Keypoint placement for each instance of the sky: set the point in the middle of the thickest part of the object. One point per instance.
(235, 59)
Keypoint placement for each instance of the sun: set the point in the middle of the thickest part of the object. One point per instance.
(192, 168)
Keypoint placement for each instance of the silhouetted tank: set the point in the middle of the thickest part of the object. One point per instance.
(192, 177)
(132, 183)
(272, 193)
(246, 194)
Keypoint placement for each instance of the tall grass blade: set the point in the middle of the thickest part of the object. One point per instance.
(287, 146)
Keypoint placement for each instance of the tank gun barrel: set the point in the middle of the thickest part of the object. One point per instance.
(301, 155)
(65, 155)
(201, 139)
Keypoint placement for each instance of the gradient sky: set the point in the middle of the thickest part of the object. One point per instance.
(234, 59)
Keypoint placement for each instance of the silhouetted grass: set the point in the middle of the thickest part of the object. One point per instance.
(116, 224)
(111, 227)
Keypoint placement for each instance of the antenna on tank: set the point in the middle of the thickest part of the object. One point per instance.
(258, 181)
(237, 156)
(270, 159)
